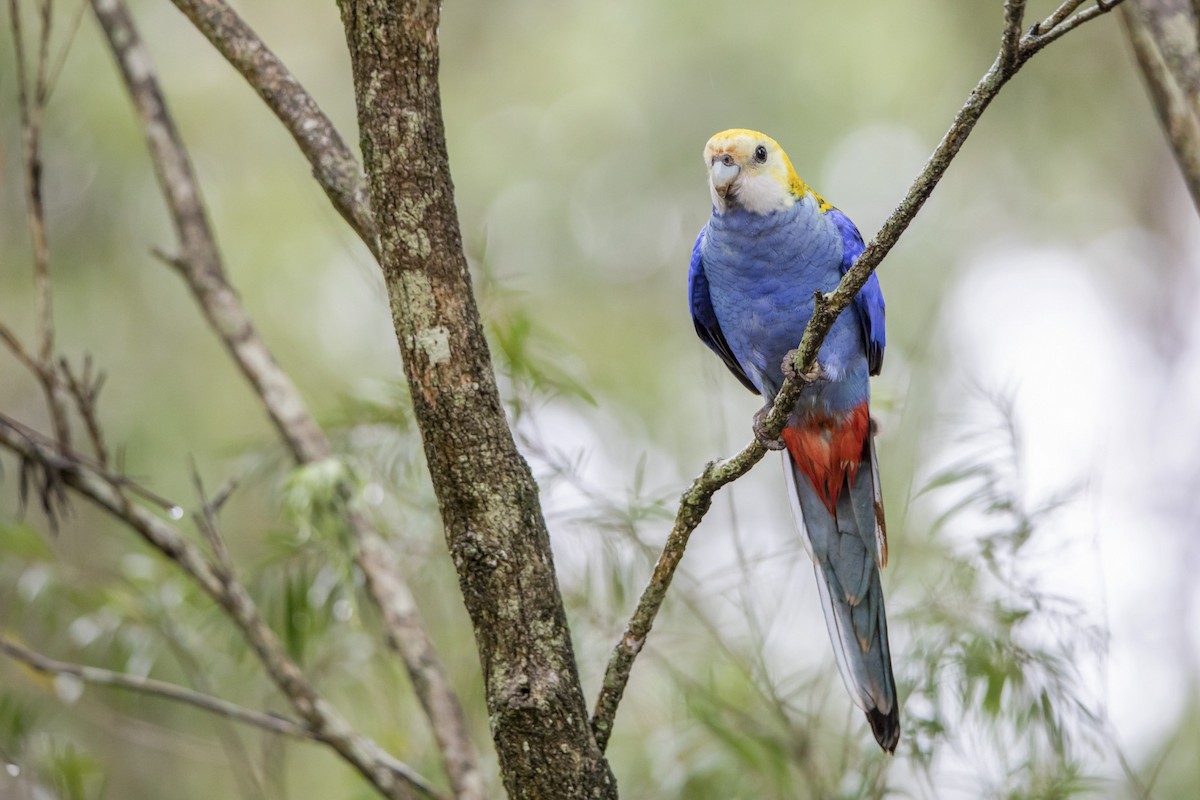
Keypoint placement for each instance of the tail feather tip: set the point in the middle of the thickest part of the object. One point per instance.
(886, 728)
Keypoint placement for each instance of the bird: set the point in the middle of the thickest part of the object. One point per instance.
(769, 245)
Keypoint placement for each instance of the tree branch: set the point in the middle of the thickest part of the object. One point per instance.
(199, 261)
(1062, 24)
(486, 494)
(68, 458)
(84, 388)
(19, 351)
(695, 502)
(1010, 43)
(333, 164)
(326, 723)
(32, 106)
(1060, 14)
(1164, 35)
(272, 723)
(32, 96)
(200, 264)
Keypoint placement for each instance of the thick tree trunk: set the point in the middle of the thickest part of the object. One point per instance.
(486, 492)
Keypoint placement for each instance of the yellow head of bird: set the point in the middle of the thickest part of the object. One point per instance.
(748, 169)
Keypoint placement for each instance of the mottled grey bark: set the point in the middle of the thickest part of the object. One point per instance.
(486, 492)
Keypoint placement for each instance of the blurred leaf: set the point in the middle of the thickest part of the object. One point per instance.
(19, 540)
(18, 719)
(74, 774)
(524, 351)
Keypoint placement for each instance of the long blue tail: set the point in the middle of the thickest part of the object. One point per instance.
(848, 548)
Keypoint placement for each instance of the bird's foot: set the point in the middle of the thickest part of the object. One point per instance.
(760, 424)
(815, 375)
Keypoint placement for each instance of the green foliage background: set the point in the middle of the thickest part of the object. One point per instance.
(574, 133)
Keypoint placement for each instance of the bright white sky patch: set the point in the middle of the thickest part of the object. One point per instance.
(1030, 324)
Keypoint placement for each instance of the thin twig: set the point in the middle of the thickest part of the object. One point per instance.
(85, 389)
(19, 351)
(69, 459)
(60, 62)
(1061, 13)
(32, 96)
(33, 118)
(18, 34)
(29, 102)
(1035, 40)
(206, 518)
(199, 262)
(273, 723)
(1010, 43)
(391, 778)
(697, 499)
(333, 164)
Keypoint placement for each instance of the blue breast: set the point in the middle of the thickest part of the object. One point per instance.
(762, 271)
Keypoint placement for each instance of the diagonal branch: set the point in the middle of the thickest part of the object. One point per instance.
(1063, 23)
(1060, 14)
(19, 351)
(199, 261)
(326, 723)
(200, 265)
(333, 164)
(272, 723)
(1165, 35)
(696, 500)
(67, 457)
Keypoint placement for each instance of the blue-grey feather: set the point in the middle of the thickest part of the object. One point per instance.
(761, 271)
(705, 319)
(851, 594)
(751, 287)
(868, 303)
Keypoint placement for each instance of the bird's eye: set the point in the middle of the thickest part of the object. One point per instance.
(760, 154)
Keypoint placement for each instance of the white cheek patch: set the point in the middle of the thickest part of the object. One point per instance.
(762, 194)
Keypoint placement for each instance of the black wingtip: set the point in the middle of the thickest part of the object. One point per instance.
(886, 728)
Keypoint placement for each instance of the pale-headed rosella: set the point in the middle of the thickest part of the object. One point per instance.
(770, 244)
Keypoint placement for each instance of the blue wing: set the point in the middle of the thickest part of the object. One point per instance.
(705, 319)
(869, 302)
